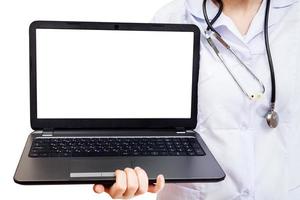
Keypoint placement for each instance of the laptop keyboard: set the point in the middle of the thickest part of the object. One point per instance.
(119, 146)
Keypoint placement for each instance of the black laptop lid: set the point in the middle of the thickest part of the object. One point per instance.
(113, 75)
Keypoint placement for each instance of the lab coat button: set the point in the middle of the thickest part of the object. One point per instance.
(244, 126)
(245, 192)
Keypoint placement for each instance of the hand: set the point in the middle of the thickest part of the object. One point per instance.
(131, 182)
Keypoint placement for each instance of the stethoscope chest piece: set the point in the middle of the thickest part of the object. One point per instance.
(272, 119)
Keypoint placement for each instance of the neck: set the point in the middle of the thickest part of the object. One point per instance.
(241, 4)
(241, 12)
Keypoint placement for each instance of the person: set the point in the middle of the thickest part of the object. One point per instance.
(260, 162)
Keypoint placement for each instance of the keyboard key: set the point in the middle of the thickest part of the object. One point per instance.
(154, 153)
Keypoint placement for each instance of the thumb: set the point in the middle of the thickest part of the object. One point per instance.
(160, 183)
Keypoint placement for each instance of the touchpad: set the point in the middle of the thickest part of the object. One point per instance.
(102, 167)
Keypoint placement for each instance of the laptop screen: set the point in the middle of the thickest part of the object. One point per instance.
(88, 74)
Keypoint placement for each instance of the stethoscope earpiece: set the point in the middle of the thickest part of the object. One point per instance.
(256, 96)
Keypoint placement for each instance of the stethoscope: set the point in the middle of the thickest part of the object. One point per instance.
(271, 116)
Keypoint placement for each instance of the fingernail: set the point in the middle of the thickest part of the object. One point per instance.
(137, 167)
(99, 188)
(160, 176)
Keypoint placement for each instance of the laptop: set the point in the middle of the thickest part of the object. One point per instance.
(106, 96)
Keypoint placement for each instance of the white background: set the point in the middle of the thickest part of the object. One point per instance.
(114, 74)
(15, 17)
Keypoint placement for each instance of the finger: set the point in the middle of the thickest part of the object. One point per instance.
(132, 183)
(119, 187)
(160, 183)
(98, 188)
(142, 181)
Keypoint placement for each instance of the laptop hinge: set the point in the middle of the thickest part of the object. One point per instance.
(180, 130)
(47, 132)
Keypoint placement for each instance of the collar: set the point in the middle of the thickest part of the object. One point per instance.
(282, 3)
(278, 10)
(195, 6)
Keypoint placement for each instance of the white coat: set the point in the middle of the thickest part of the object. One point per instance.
(260, 162)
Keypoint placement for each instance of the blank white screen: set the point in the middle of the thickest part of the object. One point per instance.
(113, 74)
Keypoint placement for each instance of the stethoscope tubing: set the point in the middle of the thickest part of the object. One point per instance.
(271, 116)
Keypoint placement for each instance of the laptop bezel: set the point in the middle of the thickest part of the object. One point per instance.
(108, 123)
